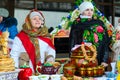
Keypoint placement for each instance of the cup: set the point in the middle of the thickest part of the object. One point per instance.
(113, 65)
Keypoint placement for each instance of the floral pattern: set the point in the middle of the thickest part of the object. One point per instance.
(67, 21)
(94, 35)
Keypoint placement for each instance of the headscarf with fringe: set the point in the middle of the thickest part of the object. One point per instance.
(28, 28)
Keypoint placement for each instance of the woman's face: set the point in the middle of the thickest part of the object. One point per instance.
(36, 22)
(1, 19)
(88, 12)
(118, 35)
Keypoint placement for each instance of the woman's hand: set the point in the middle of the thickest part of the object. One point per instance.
(104, 64)
(50, 58)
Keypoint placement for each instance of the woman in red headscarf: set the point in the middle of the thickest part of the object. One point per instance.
(32, 45)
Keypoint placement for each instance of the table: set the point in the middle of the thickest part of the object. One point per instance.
(104, 78)
(61, 44)
(96, 78)
(11, 75)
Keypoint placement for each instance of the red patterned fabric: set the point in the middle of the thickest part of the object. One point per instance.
(29, 47)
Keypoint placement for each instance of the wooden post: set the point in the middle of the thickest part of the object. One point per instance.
(35, 4)
(10, 6)
(113, 13)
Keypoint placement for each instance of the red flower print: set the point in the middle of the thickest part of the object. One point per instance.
(96, 37)
(99, 29)
(78, 19)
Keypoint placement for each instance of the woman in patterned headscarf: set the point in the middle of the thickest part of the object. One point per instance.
(33, 41)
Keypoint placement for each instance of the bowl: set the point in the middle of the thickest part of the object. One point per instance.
(56, 77)
(49, 70)
(44, 77)
(34, 78)
(110, 74)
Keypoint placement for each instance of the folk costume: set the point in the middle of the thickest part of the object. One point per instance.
(85, 30)
(34, 44)
(90, 30)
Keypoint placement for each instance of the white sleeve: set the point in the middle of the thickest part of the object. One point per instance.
(16, 50)
(116, 45)
(51, 51)
(10, 43)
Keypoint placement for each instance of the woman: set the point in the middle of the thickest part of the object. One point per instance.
(8, 24)
(32, 46)
(89, 30)
(115, 46)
